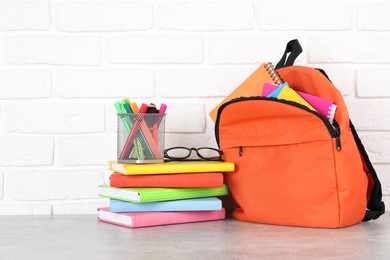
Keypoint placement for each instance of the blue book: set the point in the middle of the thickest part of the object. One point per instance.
(208, 203)
(277, 91)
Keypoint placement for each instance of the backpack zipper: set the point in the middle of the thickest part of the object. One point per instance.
(334, 130)
(337, 132)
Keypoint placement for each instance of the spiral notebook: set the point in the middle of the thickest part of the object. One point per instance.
(252, 86)
(322, 105)
(287, 93)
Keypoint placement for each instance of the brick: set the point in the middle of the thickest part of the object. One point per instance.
(25, 209)
(189, 118)
(373, 16)
(206, 16)
(189, 140)
(53, 185)
(79, 207)
(86, 150)
(362, 48)
(307, 15)
(386, 199)
(26, 151)
(104, 16)
(343, 78)
(373, 82)
(383, 172)
(155, 49)
(105, 83)
(54, 118)
(112, 122)
(368, 115)
(247, 49)
(200, 82)
(24, 16)
(1, 185)
(25, 84)
(377, 147)
(55, 50)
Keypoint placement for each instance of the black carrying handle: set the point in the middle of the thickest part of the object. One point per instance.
(294, 48)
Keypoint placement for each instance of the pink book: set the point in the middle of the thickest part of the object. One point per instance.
(148, 219)
(323, 106)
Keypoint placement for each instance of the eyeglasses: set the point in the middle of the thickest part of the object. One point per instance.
(180, 153)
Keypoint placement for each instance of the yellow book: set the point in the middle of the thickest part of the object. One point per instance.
(171, 167)
(288, 93)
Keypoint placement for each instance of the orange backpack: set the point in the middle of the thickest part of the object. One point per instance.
(292, 166)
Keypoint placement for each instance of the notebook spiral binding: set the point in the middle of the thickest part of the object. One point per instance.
(331, 113)
(274, 75)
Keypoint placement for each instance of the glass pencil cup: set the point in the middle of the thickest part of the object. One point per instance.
(140, 138)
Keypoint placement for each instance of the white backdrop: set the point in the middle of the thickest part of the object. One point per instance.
(64, 63)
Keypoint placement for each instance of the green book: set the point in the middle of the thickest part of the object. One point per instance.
(140, 195)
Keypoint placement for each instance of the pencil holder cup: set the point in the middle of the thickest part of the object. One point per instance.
(140, 138)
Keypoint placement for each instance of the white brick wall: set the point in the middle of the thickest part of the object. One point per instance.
(250, 48)
(26, 150)
(21, 83)
(64, 63)
(24, 16)
(373, 82)
(206, 16)
(350, 48)
(305, 15)
(86, 150)
(52, 185)
(53, 50)
(155, 49)
(373, 16)
(54, 118)
(98, 83)
(203, 83)
(103, 16)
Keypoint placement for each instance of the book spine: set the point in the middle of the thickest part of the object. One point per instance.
(166, 194)
(201, 204)
(168, 180)
(167, 218)
(172, 168)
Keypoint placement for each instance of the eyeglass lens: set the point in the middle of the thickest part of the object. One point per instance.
(184, 153)
(208, 153)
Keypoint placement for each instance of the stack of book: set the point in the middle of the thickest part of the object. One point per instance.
(144, 195)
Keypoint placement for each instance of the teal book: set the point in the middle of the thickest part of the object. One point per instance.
(140, 195)
(209, 203)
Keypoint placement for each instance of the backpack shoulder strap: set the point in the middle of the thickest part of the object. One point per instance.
(375, 205)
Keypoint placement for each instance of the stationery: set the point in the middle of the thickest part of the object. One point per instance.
(201, 204)
(251, 86)
(140, 195)
(287, 93)
(207, 179)
(322, 105)
(140, 125)
(134, 107)
(147, 219)
(171, 167)
(140, 145)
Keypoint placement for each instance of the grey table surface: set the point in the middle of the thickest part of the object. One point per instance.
(84, 237)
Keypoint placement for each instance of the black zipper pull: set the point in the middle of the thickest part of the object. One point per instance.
(337, 136)
(338, 143)
(240, 151)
